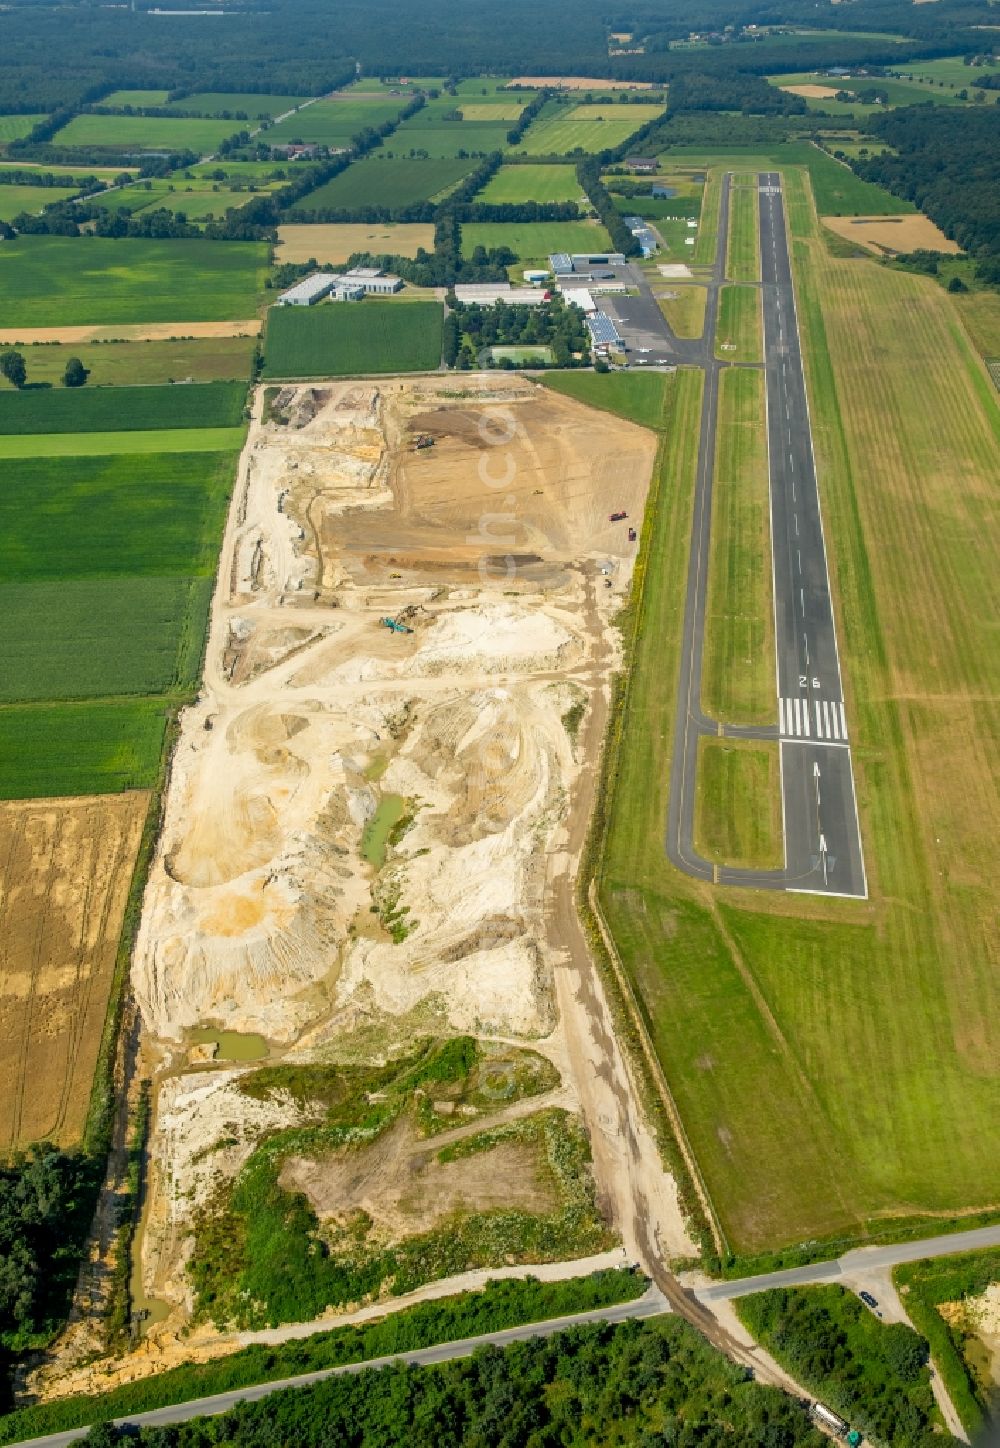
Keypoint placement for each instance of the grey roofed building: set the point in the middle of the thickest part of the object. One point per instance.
(307, 291)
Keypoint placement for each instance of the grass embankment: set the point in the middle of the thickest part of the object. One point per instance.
(959, 1354)
(738, 678)
(795, 1033)
(743, 252)
(872, 1373)
(738, 812)
(498, 1305)
(337, 339)
(738, 335)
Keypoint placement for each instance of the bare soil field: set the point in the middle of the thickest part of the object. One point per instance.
(330, 243)
(65, 869)
(892, 233)
(145, 332)
(268, 907)
(579, 82)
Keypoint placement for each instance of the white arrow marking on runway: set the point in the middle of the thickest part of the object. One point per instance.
(822, 855)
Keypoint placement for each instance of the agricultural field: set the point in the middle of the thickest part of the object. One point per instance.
(532, 241)
(738, 335)
(96, 746)
(334, 122)
(738, 682)
(374, 181)
(426, 135)
(14, 128)
(198, 201)
(34, 169)
(508, 111)
(514, 184)
(114, 444)
(742, 256)
(15, 199)
(883, 234)
(589, 128)
(120, 409)
(338, 339)
(65, 281)
(948, 73)
(331, 243)
(64, 881)
(213, 103)
(145, 133)
(139, 363)
(795, 1033)
(820, 93)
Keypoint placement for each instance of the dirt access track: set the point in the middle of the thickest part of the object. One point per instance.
(65, 868)
(492, 546)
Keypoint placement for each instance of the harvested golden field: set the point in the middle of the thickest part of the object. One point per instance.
(811, 92)
(332, 244)
(892, 233)
(146, 332)
(66, 869)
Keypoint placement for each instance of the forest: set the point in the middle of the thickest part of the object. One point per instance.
(948, 164)
(640, 1383)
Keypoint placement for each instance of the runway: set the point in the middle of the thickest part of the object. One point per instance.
(822, 837)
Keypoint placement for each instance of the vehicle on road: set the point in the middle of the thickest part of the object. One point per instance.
(868, 1300)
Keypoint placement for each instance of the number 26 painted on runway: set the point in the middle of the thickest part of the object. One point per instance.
(804, 682)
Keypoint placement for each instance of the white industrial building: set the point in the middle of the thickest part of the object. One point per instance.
(487, 294)
(308, 291)
(580, 297)
(376, 283)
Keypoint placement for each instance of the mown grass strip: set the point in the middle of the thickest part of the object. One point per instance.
(738, 674)
(707, 237)
(738, 336)
(738, 811)
(743, 257)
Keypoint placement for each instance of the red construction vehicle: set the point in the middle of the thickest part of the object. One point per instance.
(617, 517)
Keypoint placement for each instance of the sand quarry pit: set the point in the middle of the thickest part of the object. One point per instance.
(365, 827)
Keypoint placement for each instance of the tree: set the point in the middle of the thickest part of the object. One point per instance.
(13, 368)
(956, 284)
(75, 374)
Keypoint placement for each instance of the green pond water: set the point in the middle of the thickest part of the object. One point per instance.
(375, 839)
(231, 1045)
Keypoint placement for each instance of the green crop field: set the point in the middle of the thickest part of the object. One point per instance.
(15, 199)
(342, 338)
(34, 170)
(900, 93)
(150, 515)
(59, 281)
(13, 128)
(145, 133)
(950, 72)
(115, 444)
(534, 240)
(205, 359)
(437, 138)
(91, 638)
(512, 184)
(92, 747)
(376, 182)
(588, 128)
(738, 683)
(335, 122)
(212, 103)
(833, 1061)
(738, 335)
(119, 409)
(742, 258)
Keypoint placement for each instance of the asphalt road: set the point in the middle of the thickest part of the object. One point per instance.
(861, 1261)
(822, 837)
(651, 1304)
